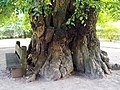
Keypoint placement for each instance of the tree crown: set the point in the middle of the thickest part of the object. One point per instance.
(11, 9)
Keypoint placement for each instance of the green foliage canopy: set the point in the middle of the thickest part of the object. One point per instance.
(10, 9)
(111, 7)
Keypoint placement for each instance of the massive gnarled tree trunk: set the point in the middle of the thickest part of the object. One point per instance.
(57, 49)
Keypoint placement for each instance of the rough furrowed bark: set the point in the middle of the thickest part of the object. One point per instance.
(59, 63)
(56, 50)
(87, 59)
(96, 65)
(99, 67)
(94, 62)
(48, 49)
(87, 56)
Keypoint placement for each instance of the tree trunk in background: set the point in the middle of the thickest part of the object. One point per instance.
(57, 49)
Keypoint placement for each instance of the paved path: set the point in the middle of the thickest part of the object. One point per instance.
(11, 42)
(115, 45)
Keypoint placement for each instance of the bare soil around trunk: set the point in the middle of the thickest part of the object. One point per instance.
(74, 82)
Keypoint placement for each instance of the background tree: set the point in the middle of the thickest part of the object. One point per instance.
(14, 13)
(108, 22)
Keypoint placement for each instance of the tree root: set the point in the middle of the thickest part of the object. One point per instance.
(31, 79)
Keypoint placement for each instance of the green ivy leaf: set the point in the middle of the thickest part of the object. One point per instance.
(81, 18)
(82, 22)
(68, 22)
(72, 24)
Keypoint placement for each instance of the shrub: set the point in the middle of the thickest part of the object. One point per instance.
(110, 32)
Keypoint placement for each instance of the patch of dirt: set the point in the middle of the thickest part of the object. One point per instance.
(79, 82)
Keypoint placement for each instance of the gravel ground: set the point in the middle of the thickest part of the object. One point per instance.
(79, 82)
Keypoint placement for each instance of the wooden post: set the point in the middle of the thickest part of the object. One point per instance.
(18, 43)
(23, 59)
